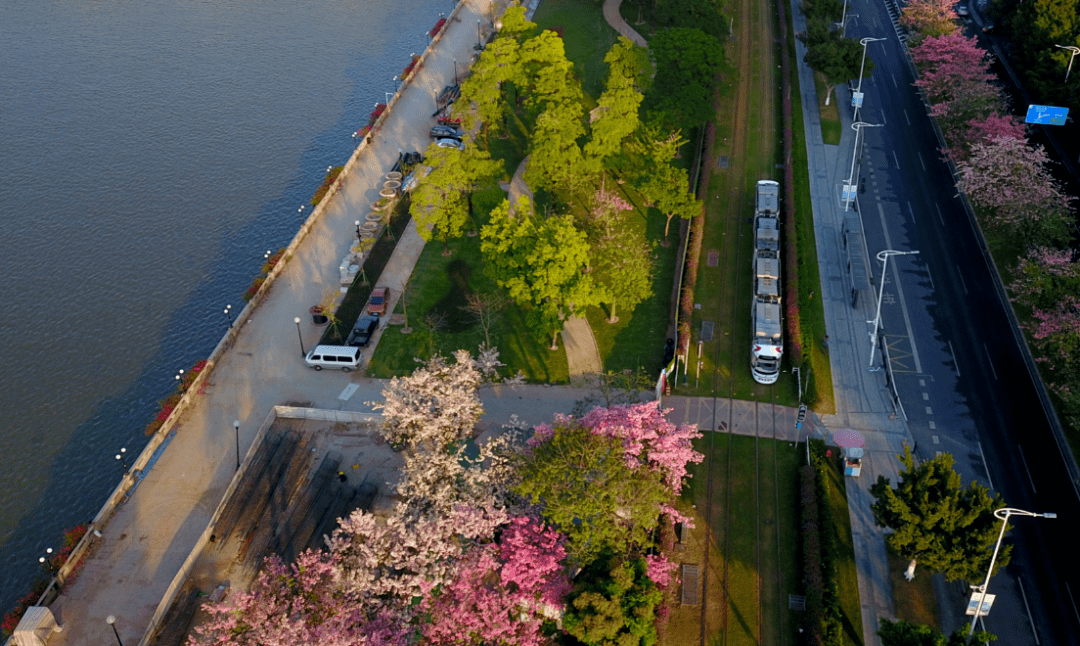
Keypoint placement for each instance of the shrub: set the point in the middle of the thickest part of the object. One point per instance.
(435, 30)
(323, 189)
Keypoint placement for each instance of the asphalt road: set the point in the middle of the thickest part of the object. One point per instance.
(959, 371)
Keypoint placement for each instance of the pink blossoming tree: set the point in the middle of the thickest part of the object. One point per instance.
(1009, 180)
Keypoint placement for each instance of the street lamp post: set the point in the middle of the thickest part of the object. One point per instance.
(303, 353)
(120, 457)
(1074, 51)
(1002, 515)
(883, 256)
(849, 189)
(111, 620)
(358, 236)
(236, 427)
(179, 379)
(862, 66)
(455, 72)
(479, 41)
(228, 314)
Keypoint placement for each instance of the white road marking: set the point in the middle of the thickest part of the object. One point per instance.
(990, 362)
(986, 466)
(962, 283)
(883, 121)
(935, 439)
(955, 362)
(926, 396)
(906, 118)
(1020, 449)
(1072, 601)
(895, 159)
(921, 163)
(939, 214)
(931, 279)
(348, 392)
(900, 292)
(932, 425)
(1023, 594)
(929, 411)
(893, 77)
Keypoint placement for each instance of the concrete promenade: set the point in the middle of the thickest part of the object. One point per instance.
(144, 544)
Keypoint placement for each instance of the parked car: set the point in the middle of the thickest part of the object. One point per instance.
(962, 11)
(450, 143)
(377, 303)
(413, 178)
(446, 132)
(362, 331)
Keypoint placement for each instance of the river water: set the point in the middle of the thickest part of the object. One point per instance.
(150, 154)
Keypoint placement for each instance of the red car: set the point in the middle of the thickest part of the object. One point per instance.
(377, 303)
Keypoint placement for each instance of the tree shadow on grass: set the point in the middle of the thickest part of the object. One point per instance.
(451, 306)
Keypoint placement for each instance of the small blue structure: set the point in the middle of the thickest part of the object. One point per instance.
(1046, 115)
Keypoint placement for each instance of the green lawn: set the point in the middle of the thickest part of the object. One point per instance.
(586, 35)
(830, 114)
(816, 358)
(438, 290)
(753, 538)
(845, 554)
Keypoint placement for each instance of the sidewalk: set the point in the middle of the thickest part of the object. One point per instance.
(862, 402)
(146, 541)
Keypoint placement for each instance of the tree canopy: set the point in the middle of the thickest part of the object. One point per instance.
(937, 522)
(838, 59)
(687, 61)
(440, 203)
(540, 262)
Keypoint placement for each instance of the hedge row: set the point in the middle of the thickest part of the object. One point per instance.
(824, 615)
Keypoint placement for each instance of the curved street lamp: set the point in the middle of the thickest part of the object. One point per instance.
(1002, 515)
(849, 188)
(883, 256)
(1075, 50)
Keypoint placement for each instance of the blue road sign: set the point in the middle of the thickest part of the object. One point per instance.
(848, 192)
(1046, 115)
(856, 99)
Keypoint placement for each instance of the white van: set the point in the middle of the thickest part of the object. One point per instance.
(334, 356)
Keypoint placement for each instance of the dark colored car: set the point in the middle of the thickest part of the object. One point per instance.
(362, 331)
(377, 303)
(444, 132)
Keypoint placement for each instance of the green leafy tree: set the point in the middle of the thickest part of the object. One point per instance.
(664, 185)
(544, 75)
(1037, 26)
(622, 257)
(483, 99)
(514, 23)
(937, 522)
(540, 262)
(903, 633)
(623, 268)
(440, 203)
(615, 605)
(702, 14)
(687, 62)
(602, 503)
(556, 161)
(616, 115)
(837, 59)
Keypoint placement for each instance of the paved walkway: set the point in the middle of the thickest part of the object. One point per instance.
(615, 19)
